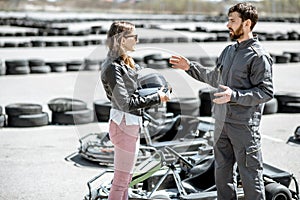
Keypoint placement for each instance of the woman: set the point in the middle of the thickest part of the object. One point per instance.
(119, 78)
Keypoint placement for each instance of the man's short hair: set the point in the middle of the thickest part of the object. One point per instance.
(246, 11)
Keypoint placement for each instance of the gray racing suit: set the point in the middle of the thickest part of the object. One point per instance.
(247, 69)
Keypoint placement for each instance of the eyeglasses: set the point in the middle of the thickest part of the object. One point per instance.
(135, 36)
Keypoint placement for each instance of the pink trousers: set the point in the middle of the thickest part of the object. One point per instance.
(126, 145)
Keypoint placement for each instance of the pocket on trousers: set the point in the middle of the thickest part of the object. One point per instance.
(253, 156)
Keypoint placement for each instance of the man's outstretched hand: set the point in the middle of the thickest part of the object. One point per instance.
(180, 62)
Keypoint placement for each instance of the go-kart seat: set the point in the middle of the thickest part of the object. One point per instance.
(202, 176)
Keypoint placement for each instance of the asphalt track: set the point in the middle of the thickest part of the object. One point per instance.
(35, 162)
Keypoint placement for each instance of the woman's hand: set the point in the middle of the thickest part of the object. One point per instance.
(162, 95)
(180, 62)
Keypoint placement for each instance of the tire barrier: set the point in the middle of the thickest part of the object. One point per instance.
(57, 66)
(271, 107)
(75, 65)
(26, 115)
(184, 106)
(294, 56)
(102, 110)
(68, 111)
(2, 68)
(17, 67)
(92, 65)
(155, 61)
(288, 102)
(205, 96)
(208, 61)
(38, 66)
(2, 118)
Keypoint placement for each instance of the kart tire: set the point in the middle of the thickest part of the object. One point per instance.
(271, 107)
(66, 104)
(32, 120)
(23, 109)
(72, 117)
(184, 106)
(102, 110)
(276, 191)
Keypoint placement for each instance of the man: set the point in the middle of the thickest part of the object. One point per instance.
(243, 76)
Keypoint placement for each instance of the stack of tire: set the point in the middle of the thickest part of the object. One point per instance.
(206, 95)
(288, 102)
(2, 68)
(26, 115)
(102, 110)
(2, 118)
(15, 67)
(184, 106)
(155, 61)
(57, 66)
(92, 64)
(38, 66)
(69, 111)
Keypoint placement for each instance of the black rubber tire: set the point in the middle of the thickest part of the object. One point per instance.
(288, 102)
(282, 58)
(40, 69)
(57, 66)
(2, 68)
(74, 65)
(18, 70)
(276, 191)
(271, 107)
(102, 110)
(2, 120)
(33, 120)
(23, 109)
(162, 64)
(37, 43)
(205, 95)
(17, 67)
(184, 106)
(36, 62)
(208, 61)
(72, 117)
(152, 57)
(66, 104)
(91, 65)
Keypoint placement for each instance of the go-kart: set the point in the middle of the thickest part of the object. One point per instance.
(187, 178)
(182, 133)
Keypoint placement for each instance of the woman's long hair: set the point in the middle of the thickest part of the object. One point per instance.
(117, 31)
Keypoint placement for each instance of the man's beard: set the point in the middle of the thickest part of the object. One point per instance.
(237, 34)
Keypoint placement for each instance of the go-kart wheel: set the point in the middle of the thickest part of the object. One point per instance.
(276, 191)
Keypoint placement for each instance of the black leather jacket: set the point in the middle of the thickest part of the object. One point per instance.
(120, 84)
(247, 69)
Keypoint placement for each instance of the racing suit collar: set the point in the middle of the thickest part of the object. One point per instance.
(246, 43)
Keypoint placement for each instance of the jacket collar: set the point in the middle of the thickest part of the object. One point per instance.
(246, 43)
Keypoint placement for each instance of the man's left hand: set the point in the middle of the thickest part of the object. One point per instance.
(224, 96)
